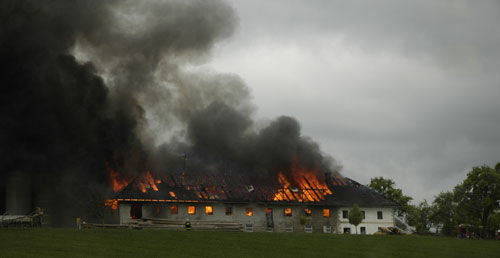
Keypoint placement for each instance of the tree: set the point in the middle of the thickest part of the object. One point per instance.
(355, 217)
(419, 217)
(478, 196)
(494, 223)
(443, 213)
(386, 187)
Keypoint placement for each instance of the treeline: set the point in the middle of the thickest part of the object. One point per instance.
(474, 203)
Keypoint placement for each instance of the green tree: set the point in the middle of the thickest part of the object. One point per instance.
(420, 217)
(443, 213)
(355, 217)
(478, 196)
(386, 187)
(494, 222)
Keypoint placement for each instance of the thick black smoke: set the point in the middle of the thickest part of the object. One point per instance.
(90, 84)
(222, 140)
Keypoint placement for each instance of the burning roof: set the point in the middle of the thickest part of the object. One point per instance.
(334, 191)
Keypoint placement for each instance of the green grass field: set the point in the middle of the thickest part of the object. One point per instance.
(159, 243)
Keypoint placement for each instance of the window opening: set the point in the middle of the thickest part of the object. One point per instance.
(191, 210)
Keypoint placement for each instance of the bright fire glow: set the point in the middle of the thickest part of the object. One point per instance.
(306, 186)
(191, 210)
(326, 213)
(116, 180)
(172, 194)
(209, 210)
(307, 212)
(249, 212)
(146, 182)
(288, 212)
(112, 203)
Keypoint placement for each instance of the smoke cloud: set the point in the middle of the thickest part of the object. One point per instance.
(90, 84)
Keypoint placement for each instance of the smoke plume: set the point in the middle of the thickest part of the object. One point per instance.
(95, 84)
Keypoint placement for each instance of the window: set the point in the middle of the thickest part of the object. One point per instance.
(345, 214)
(174, 209)
(347, 230)
(229, 210)
(248, 227)
(136, 211)
(326, 213)
(191, 210)
(209, 210)
(157, 210)
(380, 215)
(249, 212)
(363, 230)
(363, 214)
(308, 212)
(269, 211)
(288, 212)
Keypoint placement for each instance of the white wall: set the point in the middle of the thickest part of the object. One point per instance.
(371, 222)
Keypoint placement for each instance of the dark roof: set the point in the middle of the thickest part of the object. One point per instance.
(355, 193)
(341, 192)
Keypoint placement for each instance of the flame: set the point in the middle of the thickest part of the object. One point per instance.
(147, 181)
(191, 210)
(306, 188)
(172, 194)
(326, 213)
(116, 180)
(288, 212)
(209, 210)
(249, 212)
(113, 203)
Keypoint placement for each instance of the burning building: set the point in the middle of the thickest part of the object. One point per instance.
(91, 88)
(304, 202)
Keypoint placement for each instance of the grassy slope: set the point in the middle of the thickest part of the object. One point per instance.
(155, 243)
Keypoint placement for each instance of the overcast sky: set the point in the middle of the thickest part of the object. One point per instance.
(407, 90)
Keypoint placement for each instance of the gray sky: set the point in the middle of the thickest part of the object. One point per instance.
(405, 90)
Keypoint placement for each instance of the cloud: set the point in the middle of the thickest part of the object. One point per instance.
(402, 89)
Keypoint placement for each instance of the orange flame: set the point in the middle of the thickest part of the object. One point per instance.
(112, 203)
(306, 188)
(116, 180)
(209, 210)
(147, 181)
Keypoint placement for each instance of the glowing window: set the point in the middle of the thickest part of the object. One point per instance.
(288, 212)
(174, 209)
(229, 210)
(249, 212)
(209, 210)
(191, 210)
(269, 211)
(326, 213)
(307, 212)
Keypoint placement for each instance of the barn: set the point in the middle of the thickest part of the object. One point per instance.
(241, 203)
